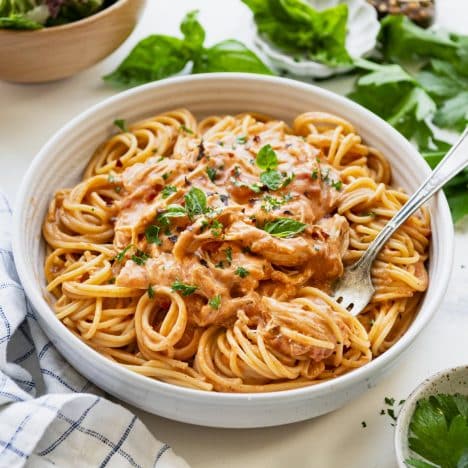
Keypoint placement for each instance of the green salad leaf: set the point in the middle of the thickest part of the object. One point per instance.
(297, 28)
(159, 56)
(439, 432)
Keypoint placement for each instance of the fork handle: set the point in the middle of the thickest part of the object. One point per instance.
(454, 161)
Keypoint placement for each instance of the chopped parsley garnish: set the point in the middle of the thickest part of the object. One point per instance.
(140, 257)
(120, 256)
(236, 171)
(150, 292)
(266, 158)
(220, 264)
(195, 202)
(242, 272)
(185, 289)
(111, 178)
(337, 185)
(186, 129)
(217, 228)
(273, 203)
(118, 189)
(215, 302)
(228, 253)
(241, 140)
(284, 227)
(121, 124)
(211, 173)
(166, 175)
(152, 234)
(314, 174)
(389, 401)
(168, 190)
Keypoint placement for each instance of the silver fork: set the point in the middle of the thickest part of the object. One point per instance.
(354, 289)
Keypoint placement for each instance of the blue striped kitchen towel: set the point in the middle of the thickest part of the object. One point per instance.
(49, 414)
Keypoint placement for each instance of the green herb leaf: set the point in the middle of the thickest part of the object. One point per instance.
(215, 302)
(185, 289)
(241, 140)
(229, 56)
(120, 256)
(195, 202)
(284, 227)
(211, 173)
(217, 228)
(242, 272)
(193, 32)
(168, 190)
(152, 234)
(266, 158)
(403, 40)
(153, 58)
(121, 124)
(140, 257)
(150, 292)
(186, 129)
(272, 179)
(439, 430)
(228, 253)
(297, 28)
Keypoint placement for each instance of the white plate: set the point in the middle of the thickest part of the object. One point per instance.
(363, 28)
(60, 163)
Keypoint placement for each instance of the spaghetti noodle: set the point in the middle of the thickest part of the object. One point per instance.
(203, 253)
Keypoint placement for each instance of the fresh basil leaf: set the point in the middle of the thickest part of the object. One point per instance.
(272, 179)
(195, 202)
(18, 21)
(185, 289)
(403, 40)
(153, 58)
(454, 112)
(266, 158)
(297, 28)
(194, 34)
(229, 56)
(284, 227)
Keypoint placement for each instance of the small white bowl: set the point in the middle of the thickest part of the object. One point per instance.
(61, 162)
(363, 28)
(451, 381)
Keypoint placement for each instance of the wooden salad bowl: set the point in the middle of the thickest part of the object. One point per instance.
(60, 51)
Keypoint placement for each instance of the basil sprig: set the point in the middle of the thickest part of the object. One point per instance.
(284, 227)
(268, 161)
(160, 56)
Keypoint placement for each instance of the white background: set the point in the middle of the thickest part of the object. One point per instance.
(29, 115)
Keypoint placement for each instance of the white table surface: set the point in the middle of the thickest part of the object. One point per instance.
(29, 115)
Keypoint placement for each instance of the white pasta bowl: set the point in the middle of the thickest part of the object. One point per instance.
(61, 162)
(361, 37)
